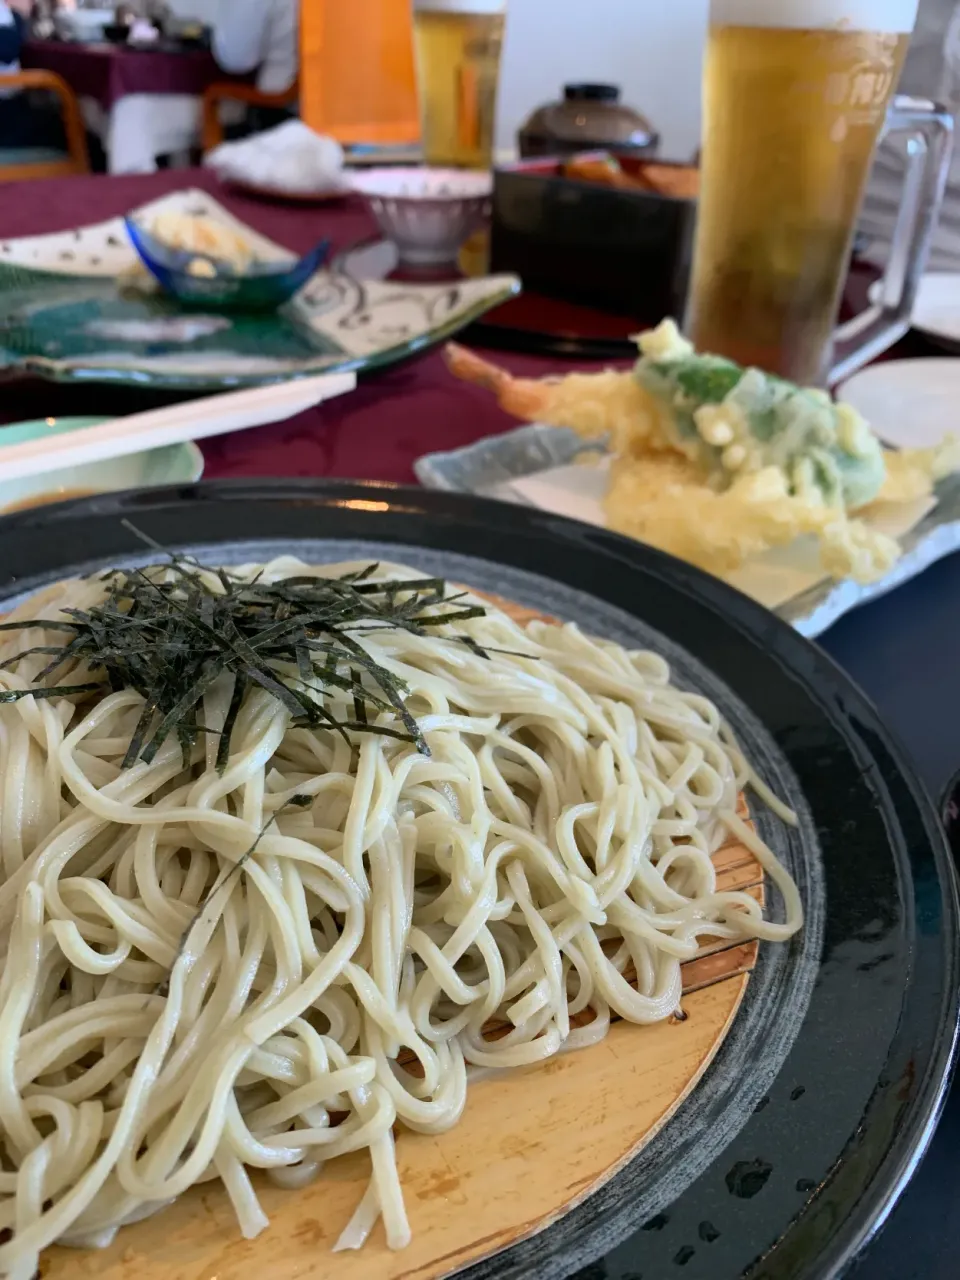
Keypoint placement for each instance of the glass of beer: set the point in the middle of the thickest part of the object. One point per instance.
(458, 45)
(796, 96)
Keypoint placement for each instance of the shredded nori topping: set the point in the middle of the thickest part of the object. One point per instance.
(169, 633)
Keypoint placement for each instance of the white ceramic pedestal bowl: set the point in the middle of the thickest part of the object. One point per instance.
(427, 213)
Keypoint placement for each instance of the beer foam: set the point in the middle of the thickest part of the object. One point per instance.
(888, 16)
(460, 6)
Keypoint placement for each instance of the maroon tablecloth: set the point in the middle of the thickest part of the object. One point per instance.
(376, 433)
(107, 72)
(901, 649)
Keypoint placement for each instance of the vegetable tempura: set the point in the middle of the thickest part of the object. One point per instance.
(715, 463)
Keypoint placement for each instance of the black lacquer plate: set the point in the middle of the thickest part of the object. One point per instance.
(789, 1155)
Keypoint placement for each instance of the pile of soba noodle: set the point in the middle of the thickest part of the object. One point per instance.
(555, 842)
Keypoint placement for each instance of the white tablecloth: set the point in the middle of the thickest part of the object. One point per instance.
(143, 126)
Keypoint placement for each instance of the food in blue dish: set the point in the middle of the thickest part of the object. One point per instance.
(206, 263)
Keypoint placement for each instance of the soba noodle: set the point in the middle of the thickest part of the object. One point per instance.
(556, 841)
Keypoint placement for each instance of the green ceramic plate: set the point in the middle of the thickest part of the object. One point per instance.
(66, 313)
(173, 464)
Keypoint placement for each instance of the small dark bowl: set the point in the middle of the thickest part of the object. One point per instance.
(264, 287)
(117, 33)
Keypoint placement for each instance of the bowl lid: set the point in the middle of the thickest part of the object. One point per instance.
(590, 114)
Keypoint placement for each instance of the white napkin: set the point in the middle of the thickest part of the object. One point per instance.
(290, 158)
(772, 578)
(143, 32)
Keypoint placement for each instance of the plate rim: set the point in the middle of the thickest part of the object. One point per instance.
(280, 194)
(80, 421)
(885, 374)
(53, 371)
(892, 1170)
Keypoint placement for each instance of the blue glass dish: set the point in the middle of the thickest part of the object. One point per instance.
(264, 286)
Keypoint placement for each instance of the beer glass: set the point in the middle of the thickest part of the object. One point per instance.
(458, 45)
(796, 96)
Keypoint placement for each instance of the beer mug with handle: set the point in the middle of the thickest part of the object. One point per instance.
(797, 94)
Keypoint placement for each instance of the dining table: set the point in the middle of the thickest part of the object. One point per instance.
(901, 649)
(142, 102)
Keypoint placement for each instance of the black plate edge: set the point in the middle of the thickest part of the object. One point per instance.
(866, 1221)
(865, 1225)
(541, 342)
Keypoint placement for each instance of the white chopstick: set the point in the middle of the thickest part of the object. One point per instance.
(194, 420)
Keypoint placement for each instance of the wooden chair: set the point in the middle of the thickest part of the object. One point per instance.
(23, 164)
(230, 91)
(357, 75)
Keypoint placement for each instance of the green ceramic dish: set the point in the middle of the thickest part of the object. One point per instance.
(73, 308)
(173, 464)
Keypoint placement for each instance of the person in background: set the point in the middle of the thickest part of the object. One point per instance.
(22, 125)
(931, 70)
(13, 31)
(262, 36)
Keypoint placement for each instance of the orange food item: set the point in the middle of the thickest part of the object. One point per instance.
(681, 182)
(605, 170)
(677, 180)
